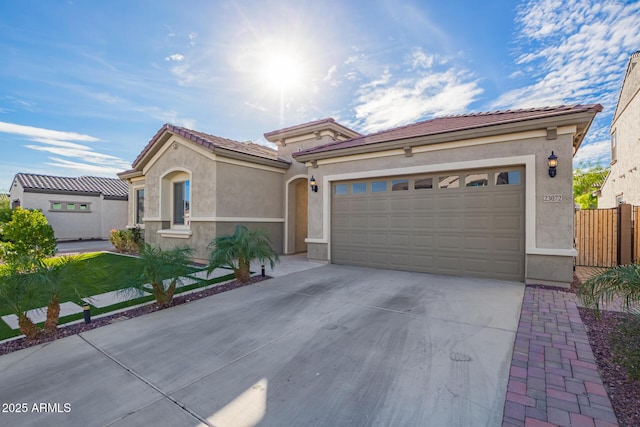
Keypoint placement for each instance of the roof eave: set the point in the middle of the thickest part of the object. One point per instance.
(585, 117)
(131, 173)
(236, 155)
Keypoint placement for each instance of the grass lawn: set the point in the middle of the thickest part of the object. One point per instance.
(121, 273)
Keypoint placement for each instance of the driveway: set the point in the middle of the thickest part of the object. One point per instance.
(82, 246)
(334, 346)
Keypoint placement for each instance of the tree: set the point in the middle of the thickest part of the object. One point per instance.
(587, 179)
(28, 239)
(237, 250)
(162, 269)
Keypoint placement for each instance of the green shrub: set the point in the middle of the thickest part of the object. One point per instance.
(28, 239)
(130, 240)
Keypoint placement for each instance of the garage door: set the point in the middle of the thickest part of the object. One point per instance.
(468, 223)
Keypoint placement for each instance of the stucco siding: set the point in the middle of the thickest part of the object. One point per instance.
(248, 192)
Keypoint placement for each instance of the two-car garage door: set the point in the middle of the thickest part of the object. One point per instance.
(468, 223)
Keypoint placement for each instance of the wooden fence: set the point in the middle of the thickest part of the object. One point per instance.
(606, 237)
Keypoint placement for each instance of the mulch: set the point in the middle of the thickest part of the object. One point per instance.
(67, 330)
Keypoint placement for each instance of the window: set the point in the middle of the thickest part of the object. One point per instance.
(341, 189)
(181, 202)
(379, 186)
(359, 188)
(399, 184)
(449, 181)
(422, 183)
(476, 180)
(139, 206)
(614, 143)
(69, 206)
(508, 178)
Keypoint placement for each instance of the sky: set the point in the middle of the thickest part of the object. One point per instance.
(85, 84)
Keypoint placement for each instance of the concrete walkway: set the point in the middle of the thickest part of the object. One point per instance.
(554, 380)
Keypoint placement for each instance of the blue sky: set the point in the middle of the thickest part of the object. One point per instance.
(84, 84)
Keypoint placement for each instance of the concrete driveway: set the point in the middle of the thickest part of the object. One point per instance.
(333, 346)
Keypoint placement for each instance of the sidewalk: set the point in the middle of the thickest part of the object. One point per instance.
(554, 380)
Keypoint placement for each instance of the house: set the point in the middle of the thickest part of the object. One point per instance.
(86, 207)
(471, 195)
(622, 184)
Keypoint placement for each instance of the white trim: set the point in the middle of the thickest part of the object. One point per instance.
(553, 252)
(285, 248)
(178, 234)
(308, 240)
(530, 188)
(233, 219)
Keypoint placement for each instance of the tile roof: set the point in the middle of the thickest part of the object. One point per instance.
(442, 125)
(110, 188)
(210, 142)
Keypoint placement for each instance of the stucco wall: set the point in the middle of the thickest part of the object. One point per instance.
(624, 177)
(73, 225)
(553, 221)
(248, 192)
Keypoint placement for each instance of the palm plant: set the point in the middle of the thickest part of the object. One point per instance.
(237, 250)
(62, 279)
(621, 282)
(19, 295)
(162, 269)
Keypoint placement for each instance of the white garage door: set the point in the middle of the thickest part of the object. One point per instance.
(468, 223)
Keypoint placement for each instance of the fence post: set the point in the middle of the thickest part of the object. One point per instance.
(624, 234)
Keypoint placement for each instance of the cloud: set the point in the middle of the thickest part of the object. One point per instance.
(62, 143)
(175, 57)
(388, 102)
(44, 133)
(192, 38)
(595, 152)
(84, 168)
(576, 51)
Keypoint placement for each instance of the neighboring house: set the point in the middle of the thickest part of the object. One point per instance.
(463, 195)
(87, 207)
(622, 184)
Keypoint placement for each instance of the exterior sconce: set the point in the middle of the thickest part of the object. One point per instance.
(553, 164)
(313, 184)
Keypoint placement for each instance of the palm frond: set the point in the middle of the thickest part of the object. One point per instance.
(622, 282)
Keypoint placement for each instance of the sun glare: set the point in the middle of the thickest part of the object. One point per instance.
(282, 72)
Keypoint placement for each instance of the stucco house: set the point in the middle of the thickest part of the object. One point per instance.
(622, 184)
(466, 195)
(86, 207)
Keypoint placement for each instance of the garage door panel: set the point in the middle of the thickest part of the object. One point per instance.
(476, 231)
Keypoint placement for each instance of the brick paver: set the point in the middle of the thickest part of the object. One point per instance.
(553, 379)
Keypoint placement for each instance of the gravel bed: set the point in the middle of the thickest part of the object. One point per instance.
(623, 392)
(64, 331)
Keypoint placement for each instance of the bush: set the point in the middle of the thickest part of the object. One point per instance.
(28, 239)
(130, 240)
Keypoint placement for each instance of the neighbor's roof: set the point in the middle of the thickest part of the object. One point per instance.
(449, 124)
(109, 188)
(211, 142)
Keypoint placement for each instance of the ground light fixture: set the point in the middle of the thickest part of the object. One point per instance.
(313, 184)
(553, 164)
